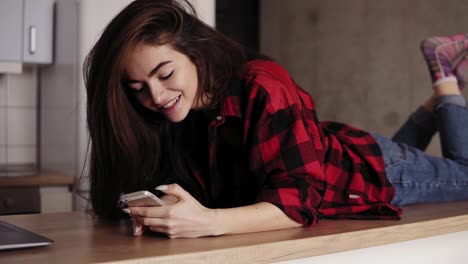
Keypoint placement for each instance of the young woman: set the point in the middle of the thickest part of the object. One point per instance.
(175, 106)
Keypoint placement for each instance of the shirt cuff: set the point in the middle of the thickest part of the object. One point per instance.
(291, 203)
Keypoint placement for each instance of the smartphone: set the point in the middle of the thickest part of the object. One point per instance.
(140, 198)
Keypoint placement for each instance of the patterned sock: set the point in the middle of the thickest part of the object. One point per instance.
(445, 56)
(461, 71)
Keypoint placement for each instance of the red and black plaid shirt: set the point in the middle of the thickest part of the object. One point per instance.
(267, 145)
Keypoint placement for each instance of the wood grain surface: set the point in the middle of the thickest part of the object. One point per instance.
(80, 238)
(43, 178)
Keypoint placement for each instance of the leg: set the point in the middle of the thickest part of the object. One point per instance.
(452, 118)
(420, 127)
(447, 60)
(416, 176)
(420, 178)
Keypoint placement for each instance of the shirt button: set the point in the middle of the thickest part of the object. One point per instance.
(219, 118)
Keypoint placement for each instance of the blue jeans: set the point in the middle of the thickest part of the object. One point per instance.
(420, 178)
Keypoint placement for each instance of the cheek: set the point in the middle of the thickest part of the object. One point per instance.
(144, 99)
(141, 98)
(194, 80)
(192, 85)
(182, 84)
(189, 81)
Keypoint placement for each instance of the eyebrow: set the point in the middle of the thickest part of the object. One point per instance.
(153, 71)
(156, 69)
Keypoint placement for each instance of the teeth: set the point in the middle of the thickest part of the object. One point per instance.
(171, 103)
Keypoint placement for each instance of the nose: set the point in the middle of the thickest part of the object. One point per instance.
(156, 91)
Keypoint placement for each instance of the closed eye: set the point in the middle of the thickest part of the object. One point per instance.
(139, 90)
(167, 76)
(134, 87)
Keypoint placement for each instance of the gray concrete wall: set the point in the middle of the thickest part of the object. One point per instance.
(360, 59)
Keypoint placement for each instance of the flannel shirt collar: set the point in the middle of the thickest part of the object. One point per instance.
(230, 105)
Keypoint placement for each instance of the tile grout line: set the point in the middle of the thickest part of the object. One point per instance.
(7, 81)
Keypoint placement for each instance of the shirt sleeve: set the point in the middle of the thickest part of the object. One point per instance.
(285, 154)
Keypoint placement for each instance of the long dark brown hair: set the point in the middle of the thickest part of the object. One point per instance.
(127, 140)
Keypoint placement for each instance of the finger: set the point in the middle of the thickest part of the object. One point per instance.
(149, 221)
(148, 211)
(136, 220)
(175, 190)
(169, 199)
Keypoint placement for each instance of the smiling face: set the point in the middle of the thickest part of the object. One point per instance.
(163, 80)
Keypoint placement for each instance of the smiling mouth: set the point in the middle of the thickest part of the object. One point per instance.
(171, 103)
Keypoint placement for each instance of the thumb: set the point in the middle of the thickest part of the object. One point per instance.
(174, 190)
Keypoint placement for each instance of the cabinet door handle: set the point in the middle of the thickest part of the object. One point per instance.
(32, 39)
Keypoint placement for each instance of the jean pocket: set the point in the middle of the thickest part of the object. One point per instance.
(395, 156)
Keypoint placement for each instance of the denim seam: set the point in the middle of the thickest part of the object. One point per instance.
(409, 183)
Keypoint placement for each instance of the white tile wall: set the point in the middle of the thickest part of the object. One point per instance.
(22, 88)
(18, 117)
(21, 126)
(22, 155)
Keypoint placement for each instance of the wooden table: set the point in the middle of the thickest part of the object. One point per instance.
(81, 239)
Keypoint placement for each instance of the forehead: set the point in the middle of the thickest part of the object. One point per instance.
(146, 52)
(144, 57)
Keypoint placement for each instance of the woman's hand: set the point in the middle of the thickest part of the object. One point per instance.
(185, 218)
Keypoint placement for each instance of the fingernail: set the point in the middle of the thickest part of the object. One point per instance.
(126, 210)
(136, 230)
(161, 187)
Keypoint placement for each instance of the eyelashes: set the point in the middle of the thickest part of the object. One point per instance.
(139, 90)
(144, 86)
(167, 76)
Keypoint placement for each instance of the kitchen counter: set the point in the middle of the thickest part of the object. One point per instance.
(43, 178)
(79, 238)
(47, 191)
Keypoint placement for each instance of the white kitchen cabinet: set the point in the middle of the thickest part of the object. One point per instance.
(11, 29)
(26, 30)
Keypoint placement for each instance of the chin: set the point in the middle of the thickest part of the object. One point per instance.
(178, 117)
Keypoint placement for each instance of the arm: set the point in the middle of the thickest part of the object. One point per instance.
(261, 216)
(188, 218)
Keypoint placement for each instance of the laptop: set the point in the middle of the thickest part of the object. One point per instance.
(12, 237)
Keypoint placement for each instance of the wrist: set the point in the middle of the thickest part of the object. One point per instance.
(216, 223)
